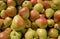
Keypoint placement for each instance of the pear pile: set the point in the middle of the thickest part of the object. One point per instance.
(29, 19)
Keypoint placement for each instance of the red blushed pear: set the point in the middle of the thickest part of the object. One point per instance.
(45, 4)
(18, 23)
(5, 34)
(11, 11)
(57, 16)
(24, 12)
(34, 15)
(41, 22)
(33, 2)
(11, 3)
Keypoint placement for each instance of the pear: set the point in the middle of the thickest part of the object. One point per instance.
(11, 11)
(18, 23)
(56, 26)
(42, 33)
(24, 12)
(56, 2)
(53, 32)
(33, 2)
(15, 35)
(7, 22)
(49, 12)
(2, 5)
(45, 4)
(50, 22)
(31, 34)
(3, 14)
(38, 7)
(41, 22)
(34, 15)
(57, 16)
(11, 3)
(27, 4)
(5, 34)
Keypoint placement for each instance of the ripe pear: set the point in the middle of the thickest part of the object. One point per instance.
(11, 3)
(2, 5)
(3, 14)
(53, 33)
(5, 34)
(27, 4)
(18, 23)
(50, 22)
(34, 15)
(7, 22)
(49, 12)
(11, 11)
(41, 22)
(57, 16)
(31, 34)
(24, 12)
(42, 33)
(38, 7)
(15, 35)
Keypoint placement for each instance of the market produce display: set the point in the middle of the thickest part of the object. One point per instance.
(29, 19)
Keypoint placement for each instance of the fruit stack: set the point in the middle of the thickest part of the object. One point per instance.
(29, 19)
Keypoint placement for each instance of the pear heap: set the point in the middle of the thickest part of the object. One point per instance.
(29, 19)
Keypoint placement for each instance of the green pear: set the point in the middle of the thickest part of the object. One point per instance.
(27, 4)
(38, 7)
(18, 23)
(57, 2)
(56, 26)
(53, 32)
(2, 5)
(15, 35)
(7, 22)
(50, 22)
(42, 33)
(49, 12)
(31, 34)
(3, 14)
